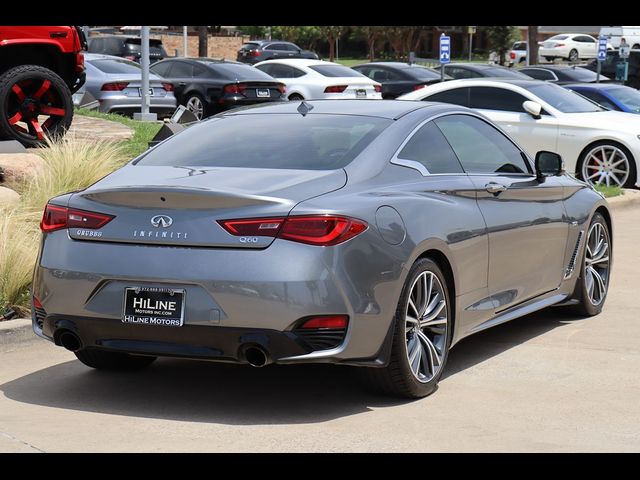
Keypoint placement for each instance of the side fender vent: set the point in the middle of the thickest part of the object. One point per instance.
(572, 263)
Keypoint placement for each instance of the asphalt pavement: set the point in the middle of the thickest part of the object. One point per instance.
(547, 382)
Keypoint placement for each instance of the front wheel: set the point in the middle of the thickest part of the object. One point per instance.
(421, 337)
(550, 59)
(34, 103)
(595, 269)
(608, 163)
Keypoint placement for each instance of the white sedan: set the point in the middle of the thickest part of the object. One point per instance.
(570, 46)
(599, 146)
(313, 79)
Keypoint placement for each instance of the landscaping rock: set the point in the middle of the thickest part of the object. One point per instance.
(8, 196)
(20, 166)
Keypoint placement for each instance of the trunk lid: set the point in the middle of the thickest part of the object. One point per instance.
(181, 205)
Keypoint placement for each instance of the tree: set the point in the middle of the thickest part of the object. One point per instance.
(501, 39)
(532, 48)
(203, 42)
(331, 33)
(370, 34)
(255, 32)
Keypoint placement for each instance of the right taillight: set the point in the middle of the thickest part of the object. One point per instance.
(319, 230)
(335, 89)
(168, 87)
(418, 87)
(56, 218)
(255, 53)
(114, 86)
(512, 55)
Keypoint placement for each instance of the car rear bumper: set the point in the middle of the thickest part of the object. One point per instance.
(232, 297)
(123, 103)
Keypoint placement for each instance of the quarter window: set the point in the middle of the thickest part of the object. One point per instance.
(480, 147)
(491, 98)
(429, 147)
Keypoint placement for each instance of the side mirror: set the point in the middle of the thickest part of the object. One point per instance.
(532, 108)
(548, 164)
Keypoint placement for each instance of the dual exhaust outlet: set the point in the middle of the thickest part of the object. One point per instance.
(255, 355)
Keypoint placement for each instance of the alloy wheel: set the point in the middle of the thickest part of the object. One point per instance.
(426, 326)
(597, 264)
(573, 56)
(606, 164)
(34, 107)
(195, 106)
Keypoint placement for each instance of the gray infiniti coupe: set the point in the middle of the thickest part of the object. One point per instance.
(355, 232)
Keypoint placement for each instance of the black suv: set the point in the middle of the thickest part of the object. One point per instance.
(127, 47)
(259, 50)
(609, 67)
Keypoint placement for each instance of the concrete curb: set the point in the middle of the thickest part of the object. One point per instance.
(629, 199)
(16, 331)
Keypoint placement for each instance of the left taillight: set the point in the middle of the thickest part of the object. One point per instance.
(319, 230)
(378, 88)
(282, 88)
(56, 218)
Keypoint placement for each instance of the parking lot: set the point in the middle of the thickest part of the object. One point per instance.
(545, 382)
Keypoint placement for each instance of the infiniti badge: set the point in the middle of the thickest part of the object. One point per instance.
(163, 221)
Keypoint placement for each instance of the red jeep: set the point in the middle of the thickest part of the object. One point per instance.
(40, 68)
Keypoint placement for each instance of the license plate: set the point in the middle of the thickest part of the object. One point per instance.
(263, 92)
(150, 92)
(154, 306)
(361, 93)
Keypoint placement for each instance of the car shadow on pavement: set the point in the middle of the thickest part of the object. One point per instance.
(200, 391)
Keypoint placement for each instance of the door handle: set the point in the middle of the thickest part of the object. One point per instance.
(182, 84)
(495, 188)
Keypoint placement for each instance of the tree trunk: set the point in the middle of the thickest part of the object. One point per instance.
(203, 42)
(332, 47)
(372, 42)
(532, 50)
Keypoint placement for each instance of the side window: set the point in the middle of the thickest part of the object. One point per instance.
(275, 46)
(539, 74)
(429, 147)
(366, 71)
(601, 99)
(161, 69)
(200, 71)
(480, 147)
(457, 96)
(297, 72)
(289, 47)
(266, 68)
(279, 70)
(182, 70)
(491, 98)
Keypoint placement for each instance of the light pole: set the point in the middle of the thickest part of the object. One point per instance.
(185, 42)
(144, 115)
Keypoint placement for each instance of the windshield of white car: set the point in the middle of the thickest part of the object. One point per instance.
(629, 97)
(566, 101)
(335, 71)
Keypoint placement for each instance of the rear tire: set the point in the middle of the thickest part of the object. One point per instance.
(196, 105)
(295, 97)
(573, 56)
(34, 103)
(550, 59)
(106, 360)
(427, 344)
(595, 270)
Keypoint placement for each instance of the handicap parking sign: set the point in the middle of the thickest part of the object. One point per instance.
(602, 49)
(445, 49)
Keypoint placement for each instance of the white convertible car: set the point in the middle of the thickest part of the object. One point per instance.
(315, 79)
(600, 146)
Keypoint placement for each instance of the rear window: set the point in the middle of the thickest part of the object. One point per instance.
(335, 71)
(249, 46)
(520, 46)
(116, 66)
(239, 71)
(506, 73)
(278, 141)
(582, 75)
(422, 73)
(152, 42)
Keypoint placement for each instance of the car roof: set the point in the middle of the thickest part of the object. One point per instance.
(203, 60)
(390, 109)
(268, 41)
(557, 67)
(594, 86)
(301, 62)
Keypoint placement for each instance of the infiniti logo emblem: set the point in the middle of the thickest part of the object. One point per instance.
(163, 221)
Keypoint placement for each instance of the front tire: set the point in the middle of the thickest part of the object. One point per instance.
(106, 360)
(422, 335)
(607, 163)
(573, 56)
(34, 103)
(595, 269)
